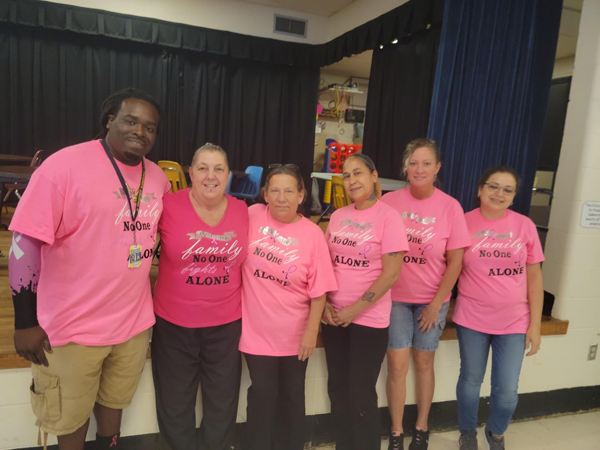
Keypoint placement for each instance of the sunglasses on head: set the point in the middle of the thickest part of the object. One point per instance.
(289, 166)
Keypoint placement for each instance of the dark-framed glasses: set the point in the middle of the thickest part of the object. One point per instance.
(289, 166)
(508, 190)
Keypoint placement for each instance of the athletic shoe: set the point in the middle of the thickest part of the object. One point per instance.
(467, 442)
(492, 442)
(396, 442)
(420, 440)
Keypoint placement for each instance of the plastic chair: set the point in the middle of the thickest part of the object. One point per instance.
(339, 198)
(248, 186)
(228, 188)
(15, 188)
(175, 174)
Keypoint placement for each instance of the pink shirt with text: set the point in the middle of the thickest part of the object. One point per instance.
(76, 206)
(357, 240)
(287, 266)
(492, 287)
(199, 274)
(433, 226)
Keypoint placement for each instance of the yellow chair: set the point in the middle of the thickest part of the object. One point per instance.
(335, 192)
(175, 174)
(338, 193)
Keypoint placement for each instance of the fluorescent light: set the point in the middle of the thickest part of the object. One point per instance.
(381, 46)
(395, 41)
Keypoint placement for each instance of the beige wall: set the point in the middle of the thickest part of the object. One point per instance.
(227, 15)
(357, 13)
(563, 67)
(245, 18)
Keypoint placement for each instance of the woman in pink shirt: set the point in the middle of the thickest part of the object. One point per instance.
(367, 242)
(437, 235)
(197, 302)
(499, 305)
(286, 275)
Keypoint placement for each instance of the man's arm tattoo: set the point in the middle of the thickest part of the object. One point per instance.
(394, 254)
(368, 296)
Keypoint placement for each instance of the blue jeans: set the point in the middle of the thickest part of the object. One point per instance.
(507, 358)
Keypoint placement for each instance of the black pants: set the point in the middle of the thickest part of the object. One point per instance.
(276, 413)
(182, 359)
(354, 357)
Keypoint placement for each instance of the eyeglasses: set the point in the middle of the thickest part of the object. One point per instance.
(289, 166)
(508, 190)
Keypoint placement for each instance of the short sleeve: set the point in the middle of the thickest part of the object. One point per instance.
(40, 210)
(459, 232)
(164, 223)
(321, 278)
(331, 223)
(394, 234)
(535, 254)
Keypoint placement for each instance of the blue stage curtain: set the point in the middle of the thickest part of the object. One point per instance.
(491, 90)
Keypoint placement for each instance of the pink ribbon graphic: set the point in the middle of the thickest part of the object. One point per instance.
(365, 251)
(214, 241)
(233, 263)
(521, 256)
(114, 442)
(287, 272)
(492, 234)
(427, 247)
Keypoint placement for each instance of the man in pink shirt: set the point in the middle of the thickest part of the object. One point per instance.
(82, 248)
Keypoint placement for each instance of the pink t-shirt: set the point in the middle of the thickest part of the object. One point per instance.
(492, 287)
(199, 274)
(75, 204)
(433, 226)
(357, 240)
(287, 266)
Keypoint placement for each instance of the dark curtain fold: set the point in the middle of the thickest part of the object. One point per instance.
(52, 89)
(256, 97)
(260, 114)
(399, 98)
(491, 91)
(408, 18)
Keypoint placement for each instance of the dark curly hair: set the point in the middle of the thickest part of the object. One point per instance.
(112, 105)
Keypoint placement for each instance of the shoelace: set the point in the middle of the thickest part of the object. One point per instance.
(419, 437)
(396, 441)
(468, 439)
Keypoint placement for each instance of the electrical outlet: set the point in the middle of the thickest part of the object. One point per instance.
(592, 352)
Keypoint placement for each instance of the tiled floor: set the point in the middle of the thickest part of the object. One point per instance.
(572, 432)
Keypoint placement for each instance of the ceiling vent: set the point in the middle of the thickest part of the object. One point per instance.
(289, 26)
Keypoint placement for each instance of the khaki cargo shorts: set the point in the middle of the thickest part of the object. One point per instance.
(63, 395)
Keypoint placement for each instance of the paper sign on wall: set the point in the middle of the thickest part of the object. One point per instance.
(590, 215)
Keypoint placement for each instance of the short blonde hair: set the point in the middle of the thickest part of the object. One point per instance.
(208, 147)
(416, 144)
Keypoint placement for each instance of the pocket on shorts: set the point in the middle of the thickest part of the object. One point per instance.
(443, 315)
(45, 397)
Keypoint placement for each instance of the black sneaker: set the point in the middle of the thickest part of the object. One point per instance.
(467, 442)
(396, 442)
(420, 440)
(492, 442)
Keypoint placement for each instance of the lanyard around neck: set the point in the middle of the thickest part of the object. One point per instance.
(124, 184)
